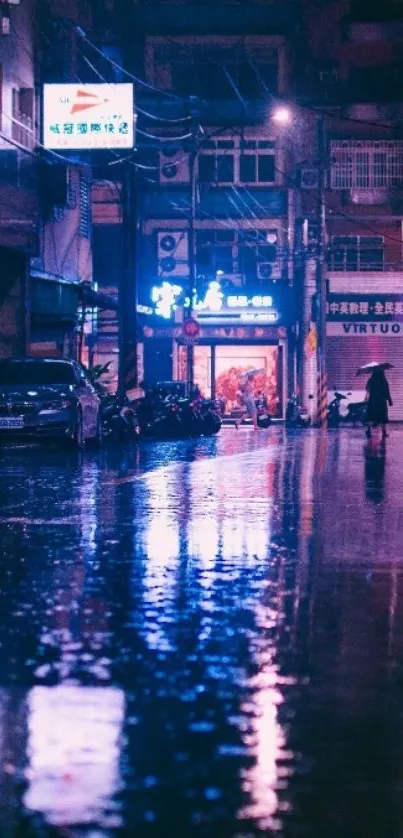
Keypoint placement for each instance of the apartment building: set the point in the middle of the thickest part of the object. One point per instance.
(45, 207)
(18, 174)
(351, 75)
(217, 196)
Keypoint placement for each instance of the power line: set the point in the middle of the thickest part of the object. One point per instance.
(291, 181)
(179, 119)
(138, 130)
(238, 208)
(164, 139)
(144, 167)
(233, 225)
(293, 102)
(121, 69)
(345, 118)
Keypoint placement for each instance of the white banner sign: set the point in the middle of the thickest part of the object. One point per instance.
(358, 330)
(88, 116)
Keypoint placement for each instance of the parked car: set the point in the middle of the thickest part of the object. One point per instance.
(48, 398)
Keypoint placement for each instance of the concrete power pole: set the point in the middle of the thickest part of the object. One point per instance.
(128, 285)
(321, 280)
(192, 262)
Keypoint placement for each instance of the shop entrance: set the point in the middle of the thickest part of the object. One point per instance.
(218, 370)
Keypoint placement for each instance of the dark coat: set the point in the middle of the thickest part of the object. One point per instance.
(378, 398)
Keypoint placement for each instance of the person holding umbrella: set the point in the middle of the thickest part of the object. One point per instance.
(378, 396)
(247, 395)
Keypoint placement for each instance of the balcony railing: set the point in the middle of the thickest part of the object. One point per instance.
(389, 280)
(22, 131)
(367, 268)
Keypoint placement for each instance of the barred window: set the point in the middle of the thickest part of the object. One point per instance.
(85, 207)
(211, 71)
(239, 162)
(366, 164)
(236, 251)
(356, 253)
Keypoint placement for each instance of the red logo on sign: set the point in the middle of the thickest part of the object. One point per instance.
(86, 100)
(191, 328)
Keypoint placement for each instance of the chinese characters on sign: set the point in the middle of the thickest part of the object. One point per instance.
(242, 301)
(376, 307)
(69, 129)
(88, 116)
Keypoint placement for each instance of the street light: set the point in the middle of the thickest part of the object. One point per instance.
(283, 115)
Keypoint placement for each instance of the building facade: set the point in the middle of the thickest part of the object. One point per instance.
(351, 74)
(45, 206)
(19, 204)
(217, 210)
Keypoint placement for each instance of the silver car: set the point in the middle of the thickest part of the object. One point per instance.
(48, 398)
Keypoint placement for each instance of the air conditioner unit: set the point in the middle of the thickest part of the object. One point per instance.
(267, 271)
(174, 167)
(172, 254)
(309, 178)
(365, 111)
(369, 197)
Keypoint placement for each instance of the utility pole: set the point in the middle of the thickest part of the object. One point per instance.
(321, 281)
(127, 378)
(192, 261)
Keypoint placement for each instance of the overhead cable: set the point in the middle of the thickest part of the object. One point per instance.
(125, 72)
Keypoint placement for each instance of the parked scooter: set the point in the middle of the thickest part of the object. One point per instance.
(119, 418)
(209, 417)
(159, 416)
(168, 416)
(356, 411)
(294, 417)
(263, 415)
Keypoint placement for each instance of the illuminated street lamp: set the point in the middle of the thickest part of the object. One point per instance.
(282, 115)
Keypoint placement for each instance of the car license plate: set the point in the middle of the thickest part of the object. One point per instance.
(18, 422)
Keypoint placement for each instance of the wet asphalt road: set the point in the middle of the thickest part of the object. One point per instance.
(203, 639)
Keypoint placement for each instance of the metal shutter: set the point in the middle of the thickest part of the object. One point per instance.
(345, 355)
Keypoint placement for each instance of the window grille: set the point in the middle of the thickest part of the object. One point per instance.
(249, 162)
(85, 208)
(356, 253)
(366, 164)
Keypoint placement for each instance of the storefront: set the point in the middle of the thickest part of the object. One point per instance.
(238, 333)
(360, 329)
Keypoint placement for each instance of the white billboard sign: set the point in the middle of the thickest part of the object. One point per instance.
(88, 116)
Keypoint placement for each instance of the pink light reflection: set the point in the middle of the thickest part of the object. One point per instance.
(266, 741)
(74, 752)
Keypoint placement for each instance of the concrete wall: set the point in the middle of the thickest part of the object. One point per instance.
(18, 184)
(13, 291)
(65, 251)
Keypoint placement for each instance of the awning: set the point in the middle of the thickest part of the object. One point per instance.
(82, 291)
(93, 298)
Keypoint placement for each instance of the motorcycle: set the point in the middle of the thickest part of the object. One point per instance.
(119, 418)
(158, 416)
(208, 417)
(170, 416)
(294, 417)
(356, 411)
(263, 415)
